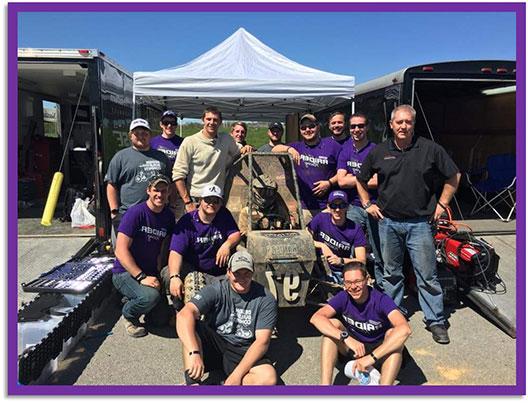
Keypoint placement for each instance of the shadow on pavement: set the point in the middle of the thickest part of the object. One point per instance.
(285, 349)
(74, 364)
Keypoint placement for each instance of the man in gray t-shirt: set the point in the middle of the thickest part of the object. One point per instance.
(130, 170)
(240, 316)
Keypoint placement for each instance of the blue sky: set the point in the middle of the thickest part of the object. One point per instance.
(366, 45)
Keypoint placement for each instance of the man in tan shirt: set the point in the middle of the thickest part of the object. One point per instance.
(203, 158)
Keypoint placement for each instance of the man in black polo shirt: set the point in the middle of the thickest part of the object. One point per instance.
(410, 171)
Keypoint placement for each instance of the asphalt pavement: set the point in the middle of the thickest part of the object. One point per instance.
(479, 354)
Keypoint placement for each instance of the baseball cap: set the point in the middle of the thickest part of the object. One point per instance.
(337, 195)
(241, 260)
(275, 125)
(169, 113)
(211, 190)
(158, 179)
(308, 116)
(139, 123)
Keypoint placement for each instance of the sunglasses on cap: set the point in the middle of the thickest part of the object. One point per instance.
(359, 126)
(309, 126)
(335, 206)
(169, 122)
(212, 200)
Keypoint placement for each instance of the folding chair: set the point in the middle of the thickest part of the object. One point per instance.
(498, 187)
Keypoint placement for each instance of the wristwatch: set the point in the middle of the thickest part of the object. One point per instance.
(367, 205)
(114, 211)
(344, 334)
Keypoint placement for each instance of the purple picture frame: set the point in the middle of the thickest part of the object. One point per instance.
(14, 388)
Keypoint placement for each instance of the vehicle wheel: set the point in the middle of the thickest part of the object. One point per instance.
(194, 282)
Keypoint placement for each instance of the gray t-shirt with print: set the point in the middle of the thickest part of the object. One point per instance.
(130, 170)
(236, 317)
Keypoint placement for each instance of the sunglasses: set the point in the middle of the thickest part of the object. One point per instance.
(169, 122)
(335, 206)
(310, 126)
(212, 200)
(359, 126)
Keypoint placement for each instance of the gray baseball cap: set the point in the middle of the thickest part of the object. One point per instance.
(241, 260)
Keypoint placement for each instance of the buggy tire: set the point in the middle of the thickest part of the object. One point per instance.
(194, 282)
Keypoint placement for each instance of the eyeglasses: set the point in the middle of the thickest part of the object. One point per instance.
(335, 206)
(359, 126)
(212, 200)
(349, 284)
(276, 130)
(310, 126)
(169, 122)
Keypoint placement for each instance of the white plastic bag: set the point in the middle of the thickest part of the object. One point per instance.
(80, 216)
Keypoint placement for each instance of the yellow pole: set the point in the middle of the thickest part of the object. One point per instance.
(53, 196)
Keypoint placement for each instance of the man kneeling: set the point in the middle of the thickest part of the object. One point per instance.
(370, 328)
(240, 316)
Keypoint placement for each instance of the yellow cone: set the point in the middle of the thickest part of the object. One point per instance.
(53, 196)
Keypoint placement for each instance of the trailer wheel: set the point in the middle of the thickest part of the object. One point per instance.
(194, 282)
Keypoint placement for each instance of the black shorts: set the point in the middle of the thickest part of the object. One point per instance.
(219, 354)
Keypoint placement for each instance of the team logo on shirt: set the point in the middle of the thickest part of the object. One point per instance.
(239, 323)
(363, 327)
(344, 245)
(355, 166)
(209, 239)
(310, 160)
(171, 154)
(147, 170)
(153, 233)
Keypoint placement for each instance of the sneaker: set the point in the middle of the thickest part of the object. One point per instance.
(439, 333)
(134, 328)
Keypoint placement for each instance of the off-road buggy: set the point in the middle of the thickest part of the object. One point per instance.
(274, 230)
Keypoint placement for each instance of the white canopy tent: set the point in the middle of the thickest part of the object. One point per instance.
(246, 80)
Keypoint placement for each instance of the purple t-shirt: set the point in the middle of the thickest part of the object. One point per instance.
(147, 230)
(169, 147)
(351, 160)
(341, 240)
(367, 322)
(318, 162)
(198, 243)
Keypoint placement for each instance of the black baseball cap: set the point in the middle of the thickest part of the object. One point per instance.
(275, 125)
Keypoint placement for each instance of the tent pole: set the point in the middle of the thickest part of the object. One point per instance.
(352, 105)
(133, 105)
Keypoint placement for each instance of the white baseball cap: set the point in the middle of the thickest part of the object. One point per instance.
(139, 123)
(212, 190)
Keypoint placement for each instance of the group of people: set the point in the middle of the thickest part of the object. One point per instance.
(166, 193)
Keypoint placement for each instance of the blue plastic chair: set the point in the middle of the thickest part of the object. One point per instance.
(498, 187)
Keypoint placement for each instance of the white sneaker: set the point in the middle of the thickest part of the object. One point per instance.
(134, 328)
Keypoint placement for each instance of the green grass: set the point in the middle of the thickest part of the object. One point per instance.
(257, 135)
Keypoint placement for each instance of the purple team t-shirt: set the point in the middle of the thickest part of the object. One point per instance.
(341, 240)
(367, 322)
(147, 230)
(169, 147)
(198, 243)
(318, 162)
(351, 160)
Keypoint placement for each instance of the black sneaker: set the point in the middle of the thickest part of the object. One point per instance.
(439, 333)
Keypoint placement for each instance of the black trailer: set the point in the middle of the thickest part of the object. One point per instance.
(74, 108)
(466, 106)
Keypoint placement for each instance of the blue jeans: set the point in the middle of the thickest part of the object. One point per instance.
(141, 300)
(360, 216)
(415, 235)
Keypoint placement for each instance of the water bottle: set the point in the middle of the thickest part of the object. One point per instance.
(369, 377)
